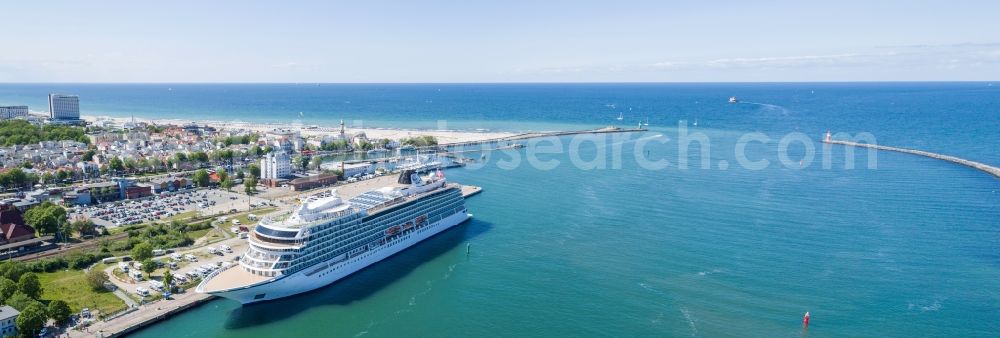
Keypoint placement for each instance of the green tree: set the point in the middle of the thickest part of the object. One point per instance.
(199, 156)
(29, 285)
(59, 311)
(16, 178)
(315, 162)
(83, 226)
(250, 185)
(148, 265)
(62, 175)
(239, 175)
(142, 251)
(301, 161)
(116, 165)
(420, 141)
(365, 145)
(338, 172)
(46, 218)
(254, 170)
(223, 175)
(31, 319)
(88, 155)
(19, 301)
(180, 158)
(201, 178)
(48, 178)
(12, 270)
(96, 278)
(168, 280)
(7, 289)
(226, 184)
(255, 150)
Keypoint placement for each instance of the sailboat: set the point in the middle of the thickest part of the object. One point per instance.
(646, 123)
(621, 116)
(695, 122)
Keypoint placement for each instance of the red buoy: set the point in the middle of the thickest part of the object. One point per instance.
(805, 320)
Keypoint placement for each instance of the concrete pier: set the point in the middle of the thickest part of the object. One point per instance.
(972, 164)
(469, 190)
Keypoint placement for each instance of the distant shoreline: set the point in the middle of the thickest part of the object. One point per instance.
(443, 136)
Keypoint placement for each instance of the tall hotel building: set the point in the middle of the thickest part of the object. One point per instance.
(64, 107)
(13, 112)
(275, 165)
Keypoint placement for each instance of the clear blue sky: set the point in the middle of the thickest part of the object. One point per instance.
(498, 41)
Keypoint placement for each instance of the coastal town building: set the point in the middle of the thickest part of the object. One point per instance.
(312, 182)
(8, 321)
(166, 184)
(12, 226)
(359, 138)
(64, 107)
(13, 112)
(350, 170)
(275, 165)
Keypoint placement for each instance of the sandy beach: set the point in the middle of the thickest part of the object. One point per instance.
(443, 136)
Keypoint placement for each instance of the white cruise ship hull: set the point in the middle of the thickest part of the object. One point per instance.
(316, 277)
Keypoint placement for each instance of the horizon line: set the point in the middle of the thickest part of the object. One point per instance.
(513, 82)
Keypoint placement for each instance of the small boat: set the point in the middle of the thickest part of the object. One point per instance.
(695, 122)
(646, 124)
(732, 99)
(620, 116)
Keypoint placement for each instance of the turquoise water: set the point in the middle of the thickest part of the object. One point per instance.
(911, 248)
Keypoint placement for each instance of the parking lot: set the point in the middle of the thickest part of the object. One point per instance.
(188, 266)
(205, 202)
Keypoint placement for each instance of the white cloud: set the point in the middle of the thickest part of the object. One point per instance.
(290, 64)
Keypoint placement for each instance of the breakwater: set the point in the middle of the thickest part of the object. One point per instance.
(972, 164)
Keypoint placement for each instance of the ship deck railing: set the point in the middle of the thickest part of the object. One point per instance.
(270, 242)
(279, 219)
(408, 198)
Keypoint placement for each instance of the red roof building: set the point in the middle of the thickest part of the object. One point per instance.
(12, 227)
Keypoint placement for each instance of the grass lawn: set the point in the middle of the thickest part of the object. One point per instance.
(244, 220)
(181, 216)
(71, 286)
(195, 235)
(213, 236)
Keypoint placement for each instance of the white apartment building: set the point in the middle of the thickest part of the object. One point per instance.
(275, 165)
(13, 112)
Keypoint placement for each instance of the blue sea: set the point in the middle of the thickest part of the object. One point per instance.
(910, 247)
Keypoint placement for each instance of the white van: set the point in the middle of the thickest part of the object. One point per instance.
(191, 258)
(142, 291)
(212, 250)
(176, 256)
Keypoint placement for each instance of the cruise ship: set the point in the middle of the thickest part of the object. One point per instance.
(327, 238)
